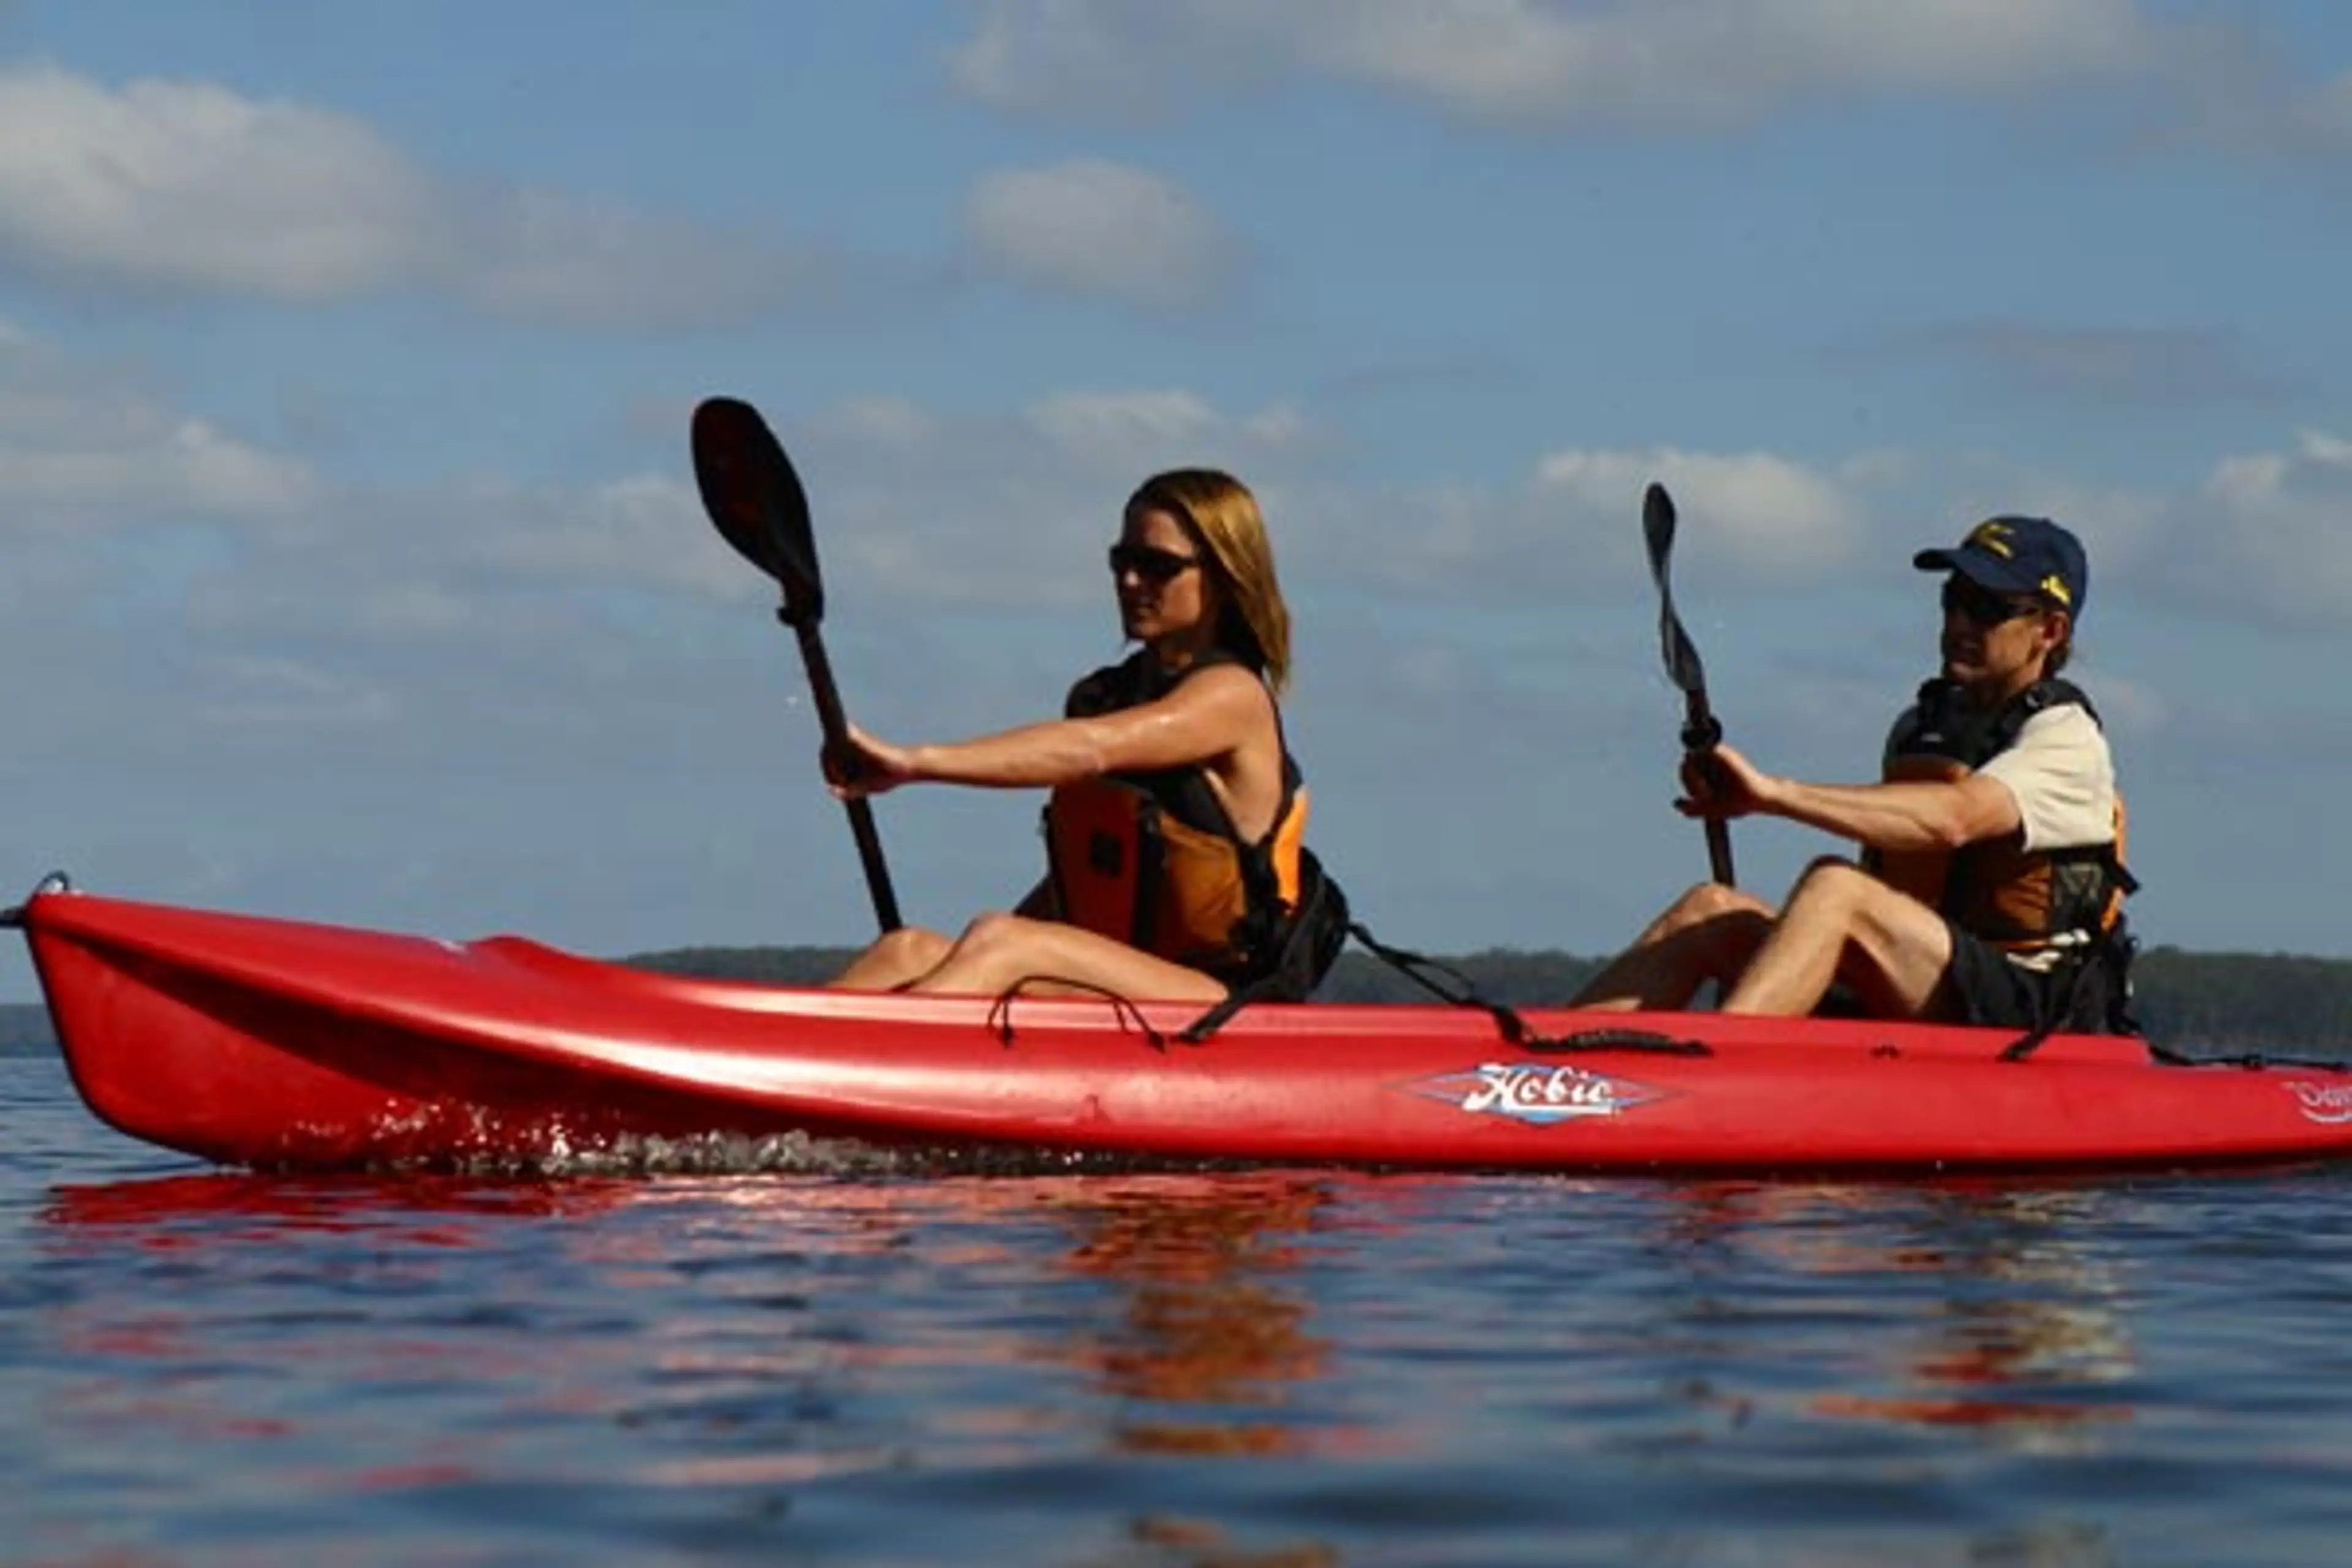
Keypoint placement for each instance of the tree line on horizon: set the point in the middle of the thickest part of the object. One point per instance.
(2203, 1002)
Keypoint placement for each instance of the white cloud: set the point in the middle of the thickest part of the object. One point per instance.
(646, 528)
(76, 450)
(880, 421)
(1010, 509)
(2327, 451)
(1116, 61)
(1280, 425)
(1771, 514)
(274, 691)
(1692, 62)
(1096, 227)
(1013, 510)
(1121, 426)
(2269, 527)
(2259, 539)
(189, 186)
(189, 465)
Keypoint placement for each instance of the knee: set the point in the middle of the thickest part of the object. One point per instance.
(1705, 904)
(1708, 900)
(990, 933)
(892, 960)
(1830, 882)
(909, 949)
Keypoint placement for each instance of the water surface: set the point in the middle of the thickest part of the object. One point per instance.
(848, 1365)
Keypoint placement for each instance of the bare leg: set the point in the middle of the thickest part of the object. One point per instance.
(1842, 923)
(895, 958)
(1708, 933)
(996, 950)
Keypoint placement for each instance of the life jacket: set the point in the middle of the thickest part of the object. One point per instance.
(1152, 859)
(1995, 888)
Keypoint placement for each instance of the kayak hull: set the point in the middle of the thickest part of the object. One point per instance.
(280, 1044)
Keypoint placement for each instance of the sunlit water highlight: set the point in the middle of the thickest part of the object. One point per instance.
(788, 1353)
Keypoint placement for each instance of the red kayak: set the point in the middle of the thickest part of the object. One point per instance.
(271, 1043)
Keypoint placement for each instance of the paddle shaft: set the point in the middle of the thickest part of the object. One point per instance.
(833, 724)
(1698, 720)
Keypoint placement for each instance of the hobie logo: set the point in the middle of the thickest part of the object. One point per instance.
(1536, 1093)
(2329, 1103)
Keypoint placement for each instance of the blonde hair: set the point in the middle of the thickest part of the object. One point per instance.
(1221, 515)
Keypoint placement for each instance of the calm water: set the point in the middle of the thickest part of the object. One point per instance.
(204, 1367)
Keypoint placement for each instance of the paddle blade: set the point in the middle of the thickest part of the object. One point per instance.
(1658, 528)
(755, 499)
(1683, 666)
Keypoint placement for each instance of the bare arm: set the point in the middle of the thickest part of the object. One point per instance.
(1891, 816)
(1205, 718)
(1901, 817)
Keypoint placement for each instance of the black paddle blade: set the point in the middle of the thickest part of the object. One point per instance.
(1658, 528)
(755, 499)
(1683, 666)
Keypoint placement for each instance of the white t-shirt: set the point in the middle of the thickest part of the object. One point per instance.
(2061, 773)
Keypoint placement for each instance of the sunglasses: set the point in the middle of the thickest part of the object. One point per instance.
(1153, 565)
(1982, 605)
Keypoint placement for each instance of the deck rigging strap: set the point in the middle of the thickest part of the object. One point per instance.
(1000, 1012)
(1457, 990)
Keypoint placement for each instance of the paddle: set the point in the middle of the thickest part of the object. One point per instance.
(756, 501)
(1701, 732)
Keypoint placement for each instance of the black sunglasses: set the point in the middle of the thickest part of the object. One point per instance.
(1150, 563)
(1982, 605)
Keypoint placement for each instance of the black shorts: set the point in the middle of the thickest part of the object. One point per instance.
(1988, 990)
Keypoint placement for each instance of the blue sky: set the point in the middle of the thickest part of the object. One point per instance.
(350, 566)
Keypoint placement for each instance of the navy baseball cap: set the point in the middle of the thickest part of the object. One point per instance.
(2019, 555)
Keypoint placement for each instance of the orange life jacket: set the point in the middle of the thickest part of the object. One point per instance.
(1995, 888)
(1153, 859)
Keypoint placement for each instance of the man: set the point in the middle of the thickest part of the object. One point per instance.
(1991, 884)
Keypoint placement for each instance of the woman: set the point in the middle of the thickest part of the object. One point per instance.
(1174, 831)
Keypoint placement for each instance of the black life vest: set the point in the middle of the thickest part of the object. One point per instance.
(1995, 888)
(1152, 859)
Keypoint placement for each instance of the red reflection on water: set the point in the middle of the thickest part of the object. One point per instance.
(1989, 1358)
(1209, 1313)
(1966, 1412)
(176, 1212)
